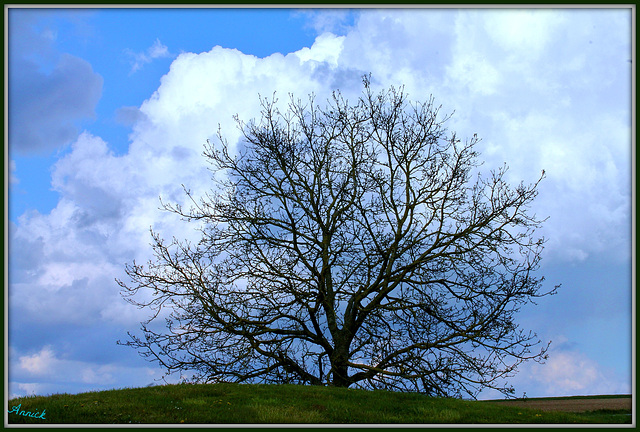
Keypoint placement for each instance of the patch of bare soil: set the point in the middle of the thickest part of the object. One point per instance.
(571, 405)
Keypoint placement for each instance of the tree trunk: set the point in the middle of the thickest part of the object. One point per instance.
(339, 367)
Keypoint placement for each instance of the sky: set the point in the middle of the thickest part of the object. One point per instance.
(109, 110)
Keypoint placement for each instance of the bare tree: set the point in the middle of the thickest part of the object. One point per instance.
(348, 245)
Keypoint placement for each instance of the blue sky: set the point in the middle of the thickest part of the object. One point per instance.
(109, 109)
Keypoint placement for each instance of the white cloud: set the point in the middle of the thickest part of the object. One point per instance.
(476, 74)
(573, 373)
(155, 51)
(568, 374)
(523, 31)
(49, 372)
(28, 389)
(564, 373)
(101, 375)
(13, 179)
(39, 363)
(548, 109)
(326, 48)
(337, 21)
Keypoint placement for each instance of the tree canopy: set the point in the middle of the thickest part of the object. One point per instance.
(350, 244)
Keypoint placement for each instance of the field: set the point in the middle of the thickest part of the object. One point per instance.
(573, 404)
(251, 404)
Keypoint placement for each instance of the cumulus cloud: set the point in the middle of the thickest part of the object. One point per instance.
(573, 373)
(50, 92)
(48, 372)
(566, 372)
(64, 263)
(536, 104)
(523, 31)
(550, 109)
(39, 363)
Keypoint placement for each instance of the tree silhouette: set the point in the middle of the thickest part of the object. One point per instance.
(348, 245)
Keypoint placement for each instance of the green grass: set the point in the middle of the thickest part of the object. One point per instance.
(237, 403)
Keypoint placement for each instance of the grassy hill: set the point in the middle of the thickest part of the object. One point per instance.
(236, 403)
